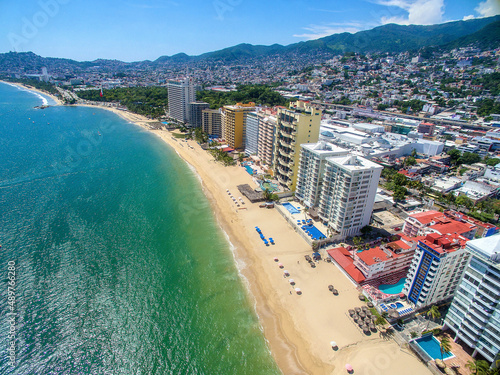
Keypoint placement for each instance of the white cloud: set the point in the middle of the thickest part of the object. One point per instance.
(488, 8)
(320, 31)
(469, 17)
(420, 12)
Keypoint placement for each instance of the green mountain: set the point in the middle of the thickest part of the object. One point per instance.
(395, 38)
(483, 32)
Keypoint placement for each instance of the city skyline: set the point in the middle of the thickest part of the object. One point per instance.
(136, 31)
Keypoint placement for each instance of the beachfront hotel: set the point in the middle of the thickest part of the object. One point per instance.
(196, 113)
(348, 193)
(296, 125)
(267, 131)
(312, 169)
(212, 122)
(437, 266)
(252, 134)
(180, 94)
(474, 315)
(234, 119)
(385, 264)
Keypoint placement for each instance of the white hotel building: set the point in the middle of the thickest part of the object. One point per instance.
(180, 94)
(474, 314)
(342, 186)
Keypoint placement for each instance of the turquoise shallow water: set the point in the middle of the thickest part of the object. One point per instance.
(120, 265)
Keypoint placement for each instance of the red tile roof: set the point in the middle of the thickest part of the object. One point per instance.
(427, 216)
(343, 258)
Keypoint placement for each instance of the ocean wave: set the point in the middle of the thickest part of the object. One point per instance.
(44, 99)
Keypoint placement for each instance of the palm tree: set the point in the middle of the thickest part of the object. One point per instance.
(445, 346)
(478, 367)
(433, 313)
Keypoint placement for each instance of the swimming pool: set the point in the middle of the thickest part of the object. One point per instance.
(431, 346)
(291, 208)
(393, 288)
(269, 186)
(249, 170)
(314, 232)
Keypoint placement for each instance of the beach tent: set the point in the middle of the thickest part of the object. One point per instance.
(349, 368)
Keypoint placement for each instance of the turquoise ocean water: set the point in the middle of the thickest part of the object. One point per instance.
(121, 267)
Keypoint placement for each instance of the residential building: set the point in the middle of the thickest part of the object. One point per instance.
(233, 123)
(423, 223)
(483, 229)
(196, 113)
(474, 315)
(252, 134)
(437, 266)
(387, 263)
(426, 128)
(267, 131)
(348, 193)
(180, 94)
(212, 122)
(296, 125)
(312, 169)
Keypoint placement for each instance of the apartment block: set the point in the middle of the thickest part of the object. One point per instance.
(252, 134)
(474, 315)
(212, 122)
(267, 131)
(296, 125)
(196, 113)
(348, 193)
(233, 123)
(437, 266)
(180, 94)
(311, 170)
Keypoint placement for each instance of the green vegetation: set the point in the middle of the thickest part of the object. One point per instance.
(259, 94)
(444, 346)
(221, 156)
(269, 196)
(147, 101)
(487, 106)
(467, 158)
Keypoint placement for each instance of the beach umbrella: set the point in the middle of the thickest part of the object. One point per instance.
(291, 281)
(333, 344)
(364, 308)
(330, 287)
(298, 291)
(335, 292)
(370, 305)
(362, 315)
(348, 367)
(351, 312)
(357, 309)
(276, 259)
(286, 273)
(372, 327)
(280, 265)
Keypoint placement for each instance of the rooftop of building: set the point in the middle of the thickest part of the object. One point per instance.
(344, 259)
(489, 247)
(444, 244)
(426, 217)
(324, 148)
(354, 162)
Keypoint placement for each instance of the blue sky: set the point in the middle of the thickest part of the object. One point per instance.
(132, 30)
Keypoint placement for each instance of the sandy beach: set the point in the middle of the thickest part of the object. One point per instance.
(299, 328)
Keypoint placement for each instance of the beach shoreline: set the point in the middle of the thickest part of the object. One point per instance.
(298, 328)
(34, 89)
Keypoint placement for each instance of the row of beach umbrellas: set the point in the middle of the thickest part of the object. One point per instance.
(238, 201)
(263, 238)
(287, 274)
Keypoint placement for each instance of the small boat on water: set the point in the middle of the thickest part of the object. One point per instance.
(98, 132)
